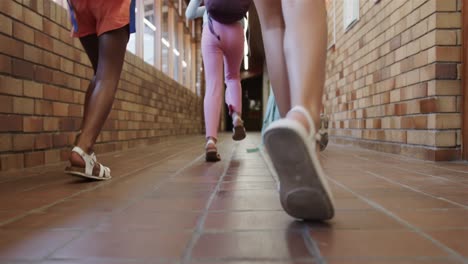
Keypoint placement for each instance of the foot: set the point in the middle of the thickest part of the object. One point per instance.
(211, 151)
(77, 161)
(304, 191)
(85, 165)
(238, 130)
(303, 120)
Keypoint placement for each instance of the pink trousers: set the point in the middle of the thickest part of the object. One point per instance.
(228, 51)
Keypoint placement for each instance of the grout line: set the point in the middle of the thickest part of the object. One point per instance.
(311, 246)
(416, 190)
(411, 227)
(201, 222)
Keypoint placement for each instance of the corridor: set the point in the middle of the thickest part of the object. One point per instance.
(166, 205)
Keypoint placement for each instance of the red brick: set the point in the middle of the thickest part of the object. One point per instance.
(5, 64)
(6, 104)
(34, 159)
(68, 124)
(6, 142)
(52, 156)
(43, 141)
(51, 60)
(395, 42)
(12, 8)
(428, 105)
(51, 124)
(23, 32)
(12, 161)
(66, 95)
(51, 92)
(11, 123)
(11, 46)
(33, 19)
(446, 71)
(43, 108)
(50, 28)
(32, 124)
(23, 69)
(43, 74)
(75, 110)
(23, 142)
(7, 25)
(10, 85)
(60, 140)
(60, 109)
(33, 89)
(42, 40)
(22, 105)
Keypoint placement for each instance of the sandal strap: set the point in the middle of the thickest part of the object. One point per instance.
(313, 132)
(90, 160)
(210, 142)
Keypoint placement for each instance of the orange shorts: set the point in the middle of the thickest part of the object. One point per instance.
(99, 16)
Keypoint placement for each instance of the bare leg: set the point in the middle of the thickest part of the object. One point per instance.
(91, 45)
(305, 52)
(112, 46)
(273, 28)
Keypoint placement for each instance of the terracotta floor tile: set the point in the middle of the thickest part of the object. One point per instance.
(232, 186)
(254, 245)
(151, 220)
(436, 219)
(147, 213)
(393, 261)
(246, 200)
(169, 204)
(412, 202)
(249, 178)
(374, 243)
(262, 220)
(6, 215)
(360, 220)
(31, 244)
(16, 202)
(311, 261)
(90, 205)
(351, 204)
(54, 220)
(103, 261)
(134, 244)
(454, 239)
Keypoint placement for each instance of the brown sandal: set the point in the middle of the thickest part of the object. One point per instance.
(211, 154)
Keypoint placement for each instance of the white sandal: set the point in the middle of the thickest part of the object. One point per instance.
(304, 190)
(87, 171)
(211, 154)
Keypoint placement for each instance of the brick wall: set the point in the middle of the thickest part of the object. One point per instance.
(44, 74)
(393, 79)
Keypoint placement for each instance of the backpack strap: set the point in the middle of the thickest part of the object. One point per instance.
(210, 25)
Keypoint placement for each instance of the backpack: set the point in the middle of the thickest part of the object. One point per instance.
(226, 11)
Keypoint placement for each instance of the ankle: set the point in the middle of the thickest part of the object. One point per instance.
(212, 139)
(236, 119)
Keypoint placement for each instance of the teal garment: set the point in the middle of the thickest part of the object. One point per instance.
(272, 112)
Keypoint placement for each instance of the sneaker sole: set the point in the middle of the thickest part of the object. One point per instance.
(303, 190)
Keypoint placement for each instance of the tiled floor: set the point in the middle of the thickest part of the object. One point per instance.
(166, 205)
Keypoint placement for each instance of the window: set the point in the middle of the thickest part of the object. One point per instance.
(149, 33)
(350, 13)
